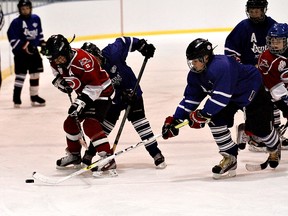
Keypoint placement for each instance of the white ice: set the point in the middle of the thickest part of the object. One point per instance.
(33, 139)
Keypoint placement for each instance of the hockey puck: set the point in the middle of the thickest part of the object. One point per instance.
(29, 180)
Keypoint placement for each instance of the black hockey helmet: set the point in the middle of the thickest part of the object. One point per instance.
(198, 49)
(278, 32)
(58, 45)
(94, 50)
(256, 4)
(23, 3)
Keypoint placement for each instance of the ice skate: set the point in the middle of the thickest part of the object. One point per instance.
(226, 167)
(242, 137)
(37, 101)
(159, 161)
(70, 159)
(284, 143)
(256, 144)
(109, 170)
(274, 157)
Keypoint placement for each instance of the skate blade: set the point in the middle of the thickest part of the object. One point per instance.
(257, 149)
(105, 174)
(35, 104)
(284, 147)
(17, 106)
(73, 166)
(228, 174)
(163, 165)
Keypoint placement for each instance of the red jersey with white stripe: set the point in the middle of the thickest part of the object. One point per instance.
(274, 70)
(85, 75)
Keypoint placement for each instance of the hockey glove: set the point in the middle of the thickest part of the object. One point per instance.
(76, 108)
(43, 50)
(168, 129)
(128, 97)
(197, 120)
(29, 49)
(145, 49)
(62, 85)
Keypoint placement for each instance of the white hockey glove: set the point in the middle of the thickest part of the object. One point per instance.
(62, 85)
(76, 108)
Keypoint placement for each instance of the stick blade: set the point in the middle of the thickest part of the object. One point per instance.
(257, 167)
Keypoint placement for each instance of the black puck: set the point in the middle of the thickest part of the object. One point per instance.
(29, 180)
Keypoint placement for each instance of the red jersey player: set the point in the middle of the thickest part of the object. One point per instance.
(78, 70)
(273, 65)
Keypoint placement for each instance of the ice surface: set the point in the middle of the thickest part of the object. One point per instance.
(32, 139)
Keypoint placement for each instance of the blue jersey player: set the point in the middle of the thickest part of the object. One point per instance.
(230, 86)
(113, 60)
(25, 35)
(246, 42)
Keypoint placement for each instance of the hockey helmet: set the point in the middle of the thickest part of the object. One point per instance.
(94, 50)
(253, 4)
(23, 3)
(278, 33)
(58, 45)
(198, 49)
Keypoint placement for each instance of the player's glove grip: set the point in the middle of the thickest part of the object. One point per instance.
(197, 120)
(62, 85)
(76, 108)
(145, 49)
(168, 129)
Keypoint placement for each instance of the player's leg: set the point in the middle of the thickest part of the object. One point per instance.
(143, 128)
(73, 148)
(219, 126)
(20, 75)
(259, 122)
(35, 68)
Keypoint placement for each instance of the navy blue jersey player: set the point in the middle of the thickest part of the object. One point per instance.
(248, 39)
(25, 35)
(113, 60)
(230, 86)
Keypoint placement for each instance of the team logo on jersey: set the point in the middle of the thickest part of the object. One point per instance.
(85, 63)
(263, 63)
(113, 69)
(73, 82)
(282, 66)
(35, 25)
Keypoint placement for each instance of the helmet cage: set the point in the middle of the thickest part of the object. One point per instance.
(57, 45)
(278, 33)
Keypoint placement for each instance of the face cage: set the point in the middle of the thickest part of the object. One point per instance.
(273, 50)
(190, 65)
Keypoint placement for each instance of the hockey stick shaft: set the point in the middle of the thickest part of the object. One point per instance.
(100, 163)
(129, 106)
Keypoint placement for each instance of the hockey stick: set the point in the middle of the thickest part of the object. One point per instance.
(262, 166)
(82, 139)
(97, 164)
(129, 106)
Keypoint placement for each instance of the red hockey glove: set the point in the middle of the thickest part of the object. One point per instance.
(197, 120)
(168, 129)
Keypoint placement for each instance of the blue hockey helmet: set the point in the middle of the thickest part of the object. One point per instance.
(277, 38)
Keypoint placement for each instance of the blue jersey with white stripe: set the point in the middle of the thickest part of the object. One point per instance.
(248, 40)
(120, 73)
(224, 81)
(22, 30)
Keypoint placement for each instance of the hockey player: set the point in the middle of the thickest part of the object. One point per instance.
(113, 60)
(231, 86)
(25, 35)
(246, 42)
(273, 65)
(77, 69)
